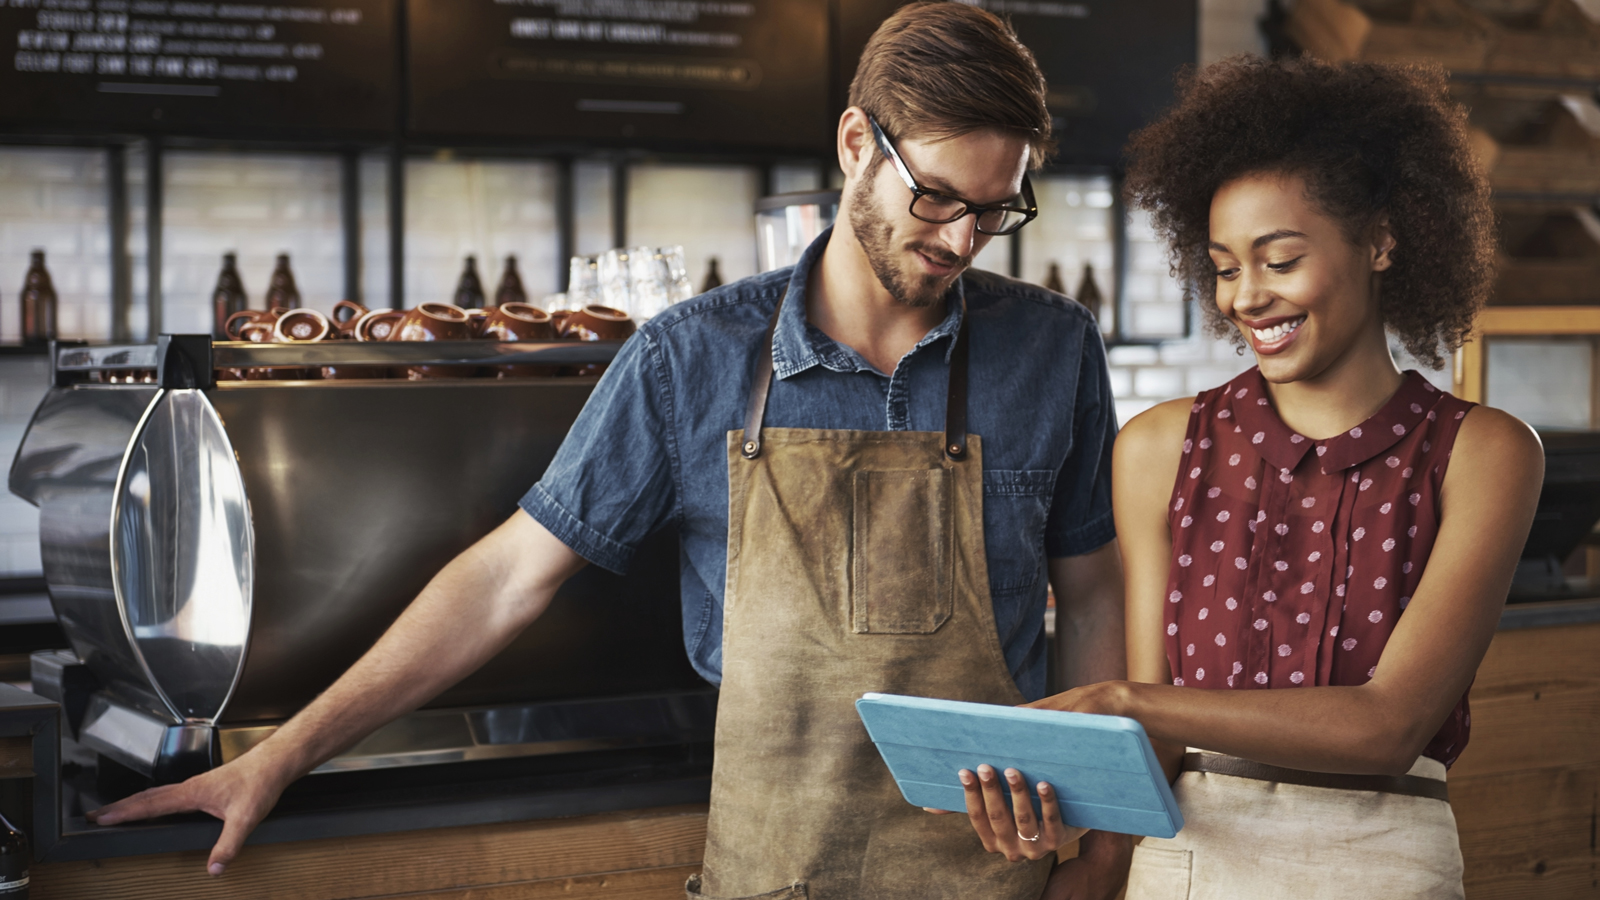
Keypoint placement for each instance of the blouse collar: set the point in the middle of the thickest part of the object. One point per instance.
(1282, 447)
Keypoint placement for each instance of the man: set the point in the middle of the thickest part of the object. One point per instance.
(870, 459)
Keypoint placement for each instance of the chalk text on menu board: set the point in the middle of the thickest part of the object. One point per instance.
(645, 23)
(170, 40)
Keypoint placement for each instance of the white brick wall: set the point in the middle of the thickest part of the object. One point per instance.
(710, 210)
(257, 205)
(22, 383)
(54, 200)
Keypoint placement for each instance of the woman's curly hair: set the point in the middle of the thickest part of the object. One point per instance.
(1370, 140)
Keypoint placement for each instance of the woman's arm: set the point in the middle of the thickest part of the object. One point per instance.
(1144, 469)
(1488, 499)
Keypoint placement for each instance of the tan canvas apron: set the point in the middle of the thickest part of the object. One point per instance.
(855, 564)
(1245, 839)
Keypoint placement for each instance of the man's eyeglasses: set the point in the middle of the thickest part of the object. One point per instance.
(940, 209)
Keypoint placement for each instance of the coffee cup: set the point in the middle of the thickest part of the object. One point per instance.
(433, 322)
(596, 323)
(376, 325)
(520, 323)
(345, 315)
(233, 327)
(301, 326)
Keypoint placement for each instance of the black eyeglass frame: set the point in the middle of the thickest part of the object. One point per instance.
(1029, 212)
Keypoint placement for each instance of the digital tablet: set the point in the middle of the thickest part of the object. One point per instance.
(1103, 769)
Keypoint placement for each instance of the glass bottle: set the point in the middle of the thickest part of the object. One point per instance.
(1089, 292)
(510, 289)
(713, 277)
(469, 290)
(281, 290)
(15, 855)
(229, 296)
(38, 303)
(1052, 280)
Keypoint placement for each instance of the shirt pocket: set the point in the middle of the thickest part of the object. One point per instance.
(902, 546)
(1016, 505)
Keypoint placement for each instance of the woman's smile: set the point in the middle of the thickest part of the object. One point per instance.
(1272, 336)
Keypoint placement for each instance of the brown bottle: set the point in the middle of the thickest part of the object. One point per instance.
(510, 289)
(469, 290)
(281, 290)
(713, 277)
(1089, 292)
(38, 304)
(1052, 280)
(229, 296)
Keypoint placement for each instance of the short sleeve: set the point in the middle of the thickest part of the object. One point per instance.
(611, 482)
(1080, 512)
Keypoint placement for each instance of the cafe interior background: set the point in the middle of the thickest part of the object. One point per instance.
(133, 219)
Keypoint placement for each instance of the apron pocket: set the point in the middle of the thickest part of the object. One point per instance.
(1159, 873)
(901, 549)
(795, 891)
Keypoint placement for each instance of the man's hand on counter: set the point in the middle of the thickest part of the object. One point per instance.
(240, 793)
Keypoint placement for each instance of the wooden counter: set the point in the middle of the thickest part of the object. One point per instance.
(643, 855)
(1526, 792)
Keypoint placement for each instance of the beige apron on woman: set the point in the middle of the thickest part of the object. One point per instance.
(1255, 839)
(855, 564)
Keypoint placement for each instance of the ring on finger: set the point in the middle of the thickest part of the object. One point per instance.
(1031, 840)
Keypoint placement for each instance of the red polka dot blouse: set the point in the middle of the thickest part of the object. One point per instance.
(1292, 559)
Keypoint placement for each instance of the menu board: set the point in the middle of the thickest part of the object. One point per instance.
(270, 69)
(1108, 64)
(725, 73)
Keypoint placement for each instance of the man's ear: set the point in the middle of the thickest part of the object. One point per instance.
(856, 145)
(1382, 245)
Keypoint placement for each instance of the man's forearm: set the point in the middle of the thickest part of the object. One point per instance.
(469, 612)
(1090, 625)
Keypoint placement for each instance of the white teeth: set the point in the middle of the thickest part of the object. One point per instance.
(1277, 332)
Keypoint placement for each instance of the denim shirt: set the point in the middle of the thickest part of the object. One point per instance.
(649, 450)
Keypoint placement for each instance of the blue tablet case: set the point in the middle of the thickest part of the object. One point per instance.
(1102, 768)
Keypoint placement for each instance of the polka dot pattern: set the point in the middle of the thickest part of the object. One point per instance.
(1326, 548)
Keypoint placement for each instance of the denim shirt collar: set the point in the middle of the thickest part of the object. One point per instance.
(797, 345)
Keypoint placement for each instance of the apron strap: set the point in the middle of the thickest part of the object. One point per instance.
(955, 411)
(756, 406)
(955, 406)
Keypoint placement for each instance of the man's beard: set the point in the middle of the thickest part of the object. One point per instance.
(876, 236)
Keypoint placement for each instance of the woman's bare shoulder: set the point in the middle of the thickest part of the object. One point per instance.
(1155, 436)
(1493, 444)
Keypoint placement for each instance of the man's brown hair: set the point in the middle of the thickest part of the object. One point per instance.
(944, 69)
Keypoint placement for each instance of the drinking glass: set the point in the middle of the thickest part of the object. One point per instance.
(679, 287)
(616, 279)
(652, 282)
(583, 283)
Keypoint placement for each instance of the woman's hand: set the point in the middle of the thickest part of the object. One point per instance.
(1020, 835)
(1108, 698)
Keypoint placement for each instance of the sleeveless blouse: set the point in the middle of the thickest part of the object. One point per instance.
(1292, 559)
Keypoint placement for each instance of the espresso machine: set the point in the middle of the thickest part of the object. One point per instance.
(219, 550)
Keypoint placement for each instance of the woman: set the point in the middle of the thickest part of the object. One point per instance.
(1318, 551)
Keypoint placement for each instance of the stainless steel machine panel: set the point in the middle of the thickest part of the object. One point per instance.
(182, 557)
(361, 491)
(69, 465)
